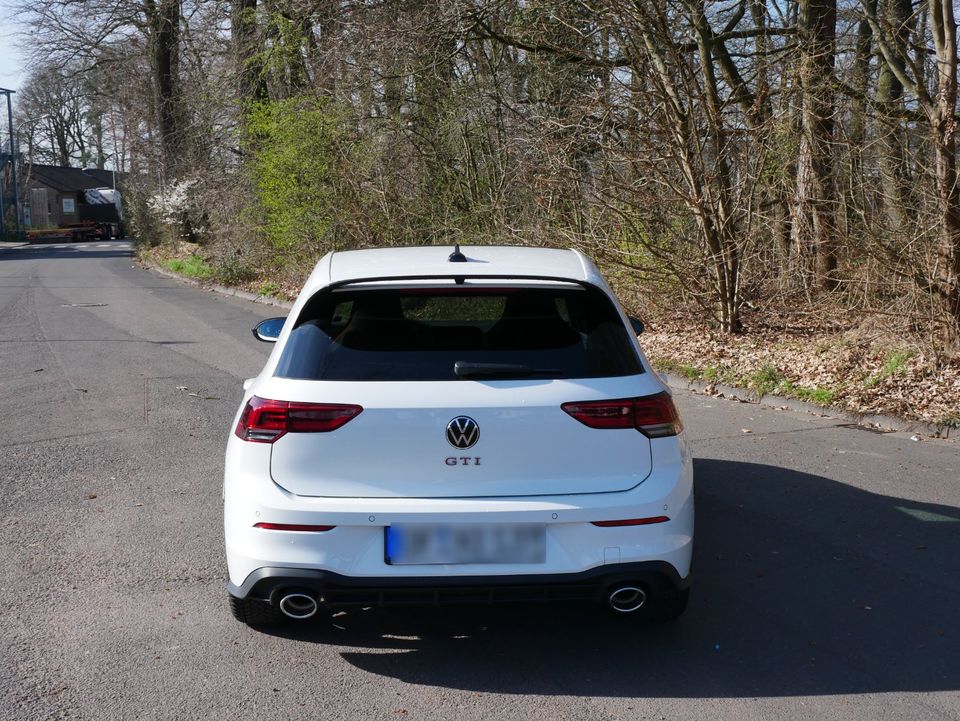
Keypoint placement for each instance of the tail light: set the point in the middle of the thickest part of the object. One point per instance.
(655, 416)
(264, 420)
(293, 527)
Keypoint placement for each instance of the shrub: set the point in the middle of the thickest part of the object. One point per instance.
(293, 144)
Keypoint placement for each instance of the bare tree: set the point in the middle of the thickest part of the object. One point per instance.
(814, 221)
(939, 108)
(62, 119)
(93, 37)
(725, 156)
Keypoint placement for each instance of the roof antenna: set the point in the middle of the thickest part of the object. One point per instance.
(456, 256)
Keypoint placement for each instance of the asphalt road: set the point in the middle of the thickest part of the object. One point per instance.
(827, 563)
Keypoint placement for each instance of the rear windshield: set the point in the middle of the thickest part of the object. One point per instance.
(426, 334)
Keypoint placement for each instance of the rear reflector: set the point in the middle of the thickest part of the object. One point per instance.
(631, 522)
(264, 420)
(292, 527)
(655, 416)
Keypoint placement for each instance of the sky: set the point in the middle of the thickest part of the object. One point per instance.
(12, 64)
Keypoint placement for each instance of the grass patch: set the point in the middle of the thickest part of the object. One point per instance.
(193, 266)
(711, 374)
(765, 379)
(892, 365)
(820, 396)
(691, 373)
(269, 288)
(951, 420)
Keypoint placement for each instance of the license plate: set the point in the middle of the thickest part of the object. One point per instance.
(465, 543)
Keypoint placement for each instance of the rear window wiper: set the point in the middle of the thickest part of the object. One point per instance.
(466, 369)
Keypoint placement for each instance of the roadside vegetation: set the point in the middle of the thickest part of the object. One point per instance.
(852, 370)
(771, 187)
(193, 266)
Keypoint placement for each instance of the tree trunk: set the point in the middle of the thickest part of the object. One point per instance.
(718, 225)
(813, 224)
(96, 139)
(251, 85)
(944, 29)
(164, 17)
(857, 130)
(890, 138)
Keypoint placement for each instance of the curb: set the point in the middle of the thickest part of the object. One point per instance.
(743, 395)
(222, 289)
(867, 420)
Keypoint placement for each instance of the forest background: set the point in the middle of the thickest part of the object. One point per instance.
(771, 185)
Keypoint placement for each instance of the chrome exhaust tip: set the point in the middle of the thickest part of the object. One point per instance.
(627, 599)
(298, 606)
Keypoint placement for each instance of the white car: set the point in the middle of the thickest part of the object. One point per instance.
(436, 427)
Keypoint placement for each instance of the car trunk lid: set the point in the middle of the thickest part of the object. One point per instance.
(461, 439)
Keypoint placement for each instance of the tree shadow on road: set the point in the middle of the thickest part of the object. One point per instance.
(803, 585)
(76, 251)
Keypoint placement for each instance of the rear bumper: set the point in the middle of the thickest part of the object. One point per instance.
(355, 547)
(333, 589)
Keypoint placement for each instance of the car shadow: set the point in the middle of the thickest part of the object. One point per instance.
(803, 585)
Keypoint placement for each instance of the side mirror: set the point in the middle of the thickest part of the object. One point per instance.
(269, 330)
(637, 325)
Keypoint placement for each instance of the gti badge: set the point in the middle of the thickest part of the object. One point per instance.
(463, 432)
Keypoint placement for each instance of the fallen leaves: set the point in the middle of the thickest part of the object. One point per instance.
(853, 374)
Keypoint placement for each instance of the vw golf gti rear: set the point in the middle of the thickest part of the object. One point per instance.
(478, 426)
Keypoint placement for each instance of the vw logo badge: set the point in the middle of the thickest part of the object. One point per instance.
(463, 432)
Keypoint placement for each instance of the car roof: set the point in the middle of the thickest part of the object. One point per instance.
(495, 261)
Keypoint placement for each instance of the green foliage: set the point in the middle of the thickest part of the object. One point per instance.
(192, 266)
(781, 149)
(950, 420)
(820, 396)
(765, 379)
(269, 288)
(896, 361)
(684, 370)
(688, 371)
(144, 223)
(293, 147)
(280, 61)
(893, 364)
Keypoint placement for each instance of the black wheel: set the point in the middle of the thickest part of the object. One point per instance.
(666, 607)
(254, 612)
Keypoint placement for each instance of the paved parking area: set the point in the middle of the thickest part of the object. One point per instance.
(827, 563)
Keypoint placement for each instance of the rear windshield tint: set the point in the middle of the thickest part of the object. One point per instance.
(457, 333)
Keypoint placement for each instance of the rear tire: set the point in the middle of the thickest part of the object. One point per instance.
(255, 612)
